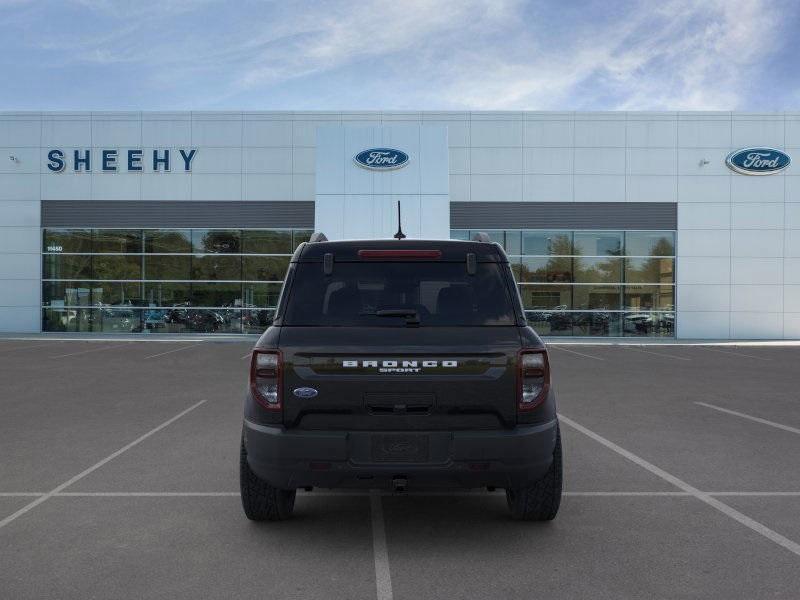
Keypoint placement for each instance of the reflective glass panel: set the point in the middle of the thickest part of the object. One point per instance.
(67, 240)
(218, 267)
(216, 294)
(597, 297)
(545, 270)
(117, 266)
(167, 267)
(167, 294)
(598, 243)
(267, 242)
(649, 297)
(649, 270)
(550, 322)
(167, 240)
(459, 234)
(648, 324)
(67, 266)
(117, 240)
(650, 243)
(225, 241)
(598, 270)
(546, 243)
(601, 324)
(265, 268)
(540, 297)
(262, 294)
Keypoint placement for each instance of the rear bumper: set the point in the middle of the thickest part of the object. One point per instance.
(337, 459)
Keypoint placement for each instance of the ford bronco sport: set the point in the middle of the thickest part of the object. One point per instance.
(400, 364)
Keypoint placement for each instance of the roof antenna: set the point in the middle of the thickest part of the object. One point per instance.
(399, 235)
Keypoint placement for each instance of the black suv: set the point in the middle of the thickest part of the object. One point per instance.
(400, 364)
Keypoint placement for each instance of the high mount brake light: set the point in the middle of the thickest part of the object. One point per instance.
(533, 378)
(266, 375)
(435, 254)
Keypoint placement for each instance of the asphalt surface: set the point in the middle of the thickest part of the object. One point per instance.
(119, 479)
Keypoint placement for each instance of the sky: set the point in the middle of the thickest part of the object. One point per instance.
(400, 55)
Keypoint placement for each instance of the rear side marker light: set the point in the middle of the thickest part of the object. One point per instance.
(266, 374)
(431, 254)
(534, 378)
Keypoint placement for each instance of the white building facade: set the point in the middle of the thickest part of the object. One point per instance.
(617, 224)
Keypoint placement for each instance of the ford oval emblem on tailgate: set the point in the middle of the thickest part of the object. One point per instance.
(305, 392)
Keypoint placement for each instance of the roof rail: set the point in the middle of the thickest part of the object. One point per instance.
(480, 236)
(317, 236)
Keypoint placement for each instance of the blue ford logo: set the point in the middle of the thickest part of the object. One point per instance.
(381, 159)
(758, 161)
(305, 392)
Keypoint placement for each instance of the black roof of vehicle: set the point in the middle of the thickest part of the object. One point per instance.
(451, 250)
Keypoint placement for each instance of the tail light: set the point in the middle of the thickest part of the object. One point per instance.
(534, 378)
(265, 378)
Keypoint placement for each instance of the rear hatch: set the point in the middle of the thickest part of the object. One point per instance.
(413, 341)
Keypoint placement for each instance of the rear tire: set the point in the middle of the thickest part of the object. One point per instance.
(260, 500)
(539, 501)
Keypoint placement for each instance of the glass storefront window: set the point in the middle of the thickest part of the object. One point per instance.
(216, 267)
(545, 270)
(650, 243)
(164, 280)
(263, 295)
(225, 241)
(546, 243)
(267, 242)
(265, 268)
(598, 243)
(177, 267)
(67, 266)
(598, 270)
(649, 297)
(650, 270)
(167, 241)
(597, 297)
(67, 240)
(117, 240)
(117, 266)
(546, 297)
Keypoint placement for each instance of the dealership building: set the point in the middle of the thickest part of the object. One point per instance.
(620, 224)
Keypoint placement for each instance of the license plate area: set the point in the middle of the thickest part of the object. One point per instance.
(400, 448)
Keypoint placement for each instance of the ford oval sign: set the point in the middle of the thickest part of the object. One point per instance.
(758, 161)
(305, 392)
(381, 159)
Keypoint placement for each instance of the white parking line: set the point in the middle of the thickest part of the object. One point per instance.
(742, 354)
(171, 351)
(734, 514)
(656, 353)
(94, 467)
(573, 352)
(383, 578)
(91, 350)
(751, 418)
(248, 355)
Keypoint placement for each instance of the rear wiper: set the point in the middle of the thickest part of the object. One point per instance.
(411, 314)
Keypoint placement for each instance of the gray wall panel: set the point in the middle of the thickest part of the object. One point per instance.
(134, 213)
(563, 215)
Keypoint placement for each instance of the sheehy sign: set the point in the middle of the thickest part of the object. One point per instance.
(111, 161)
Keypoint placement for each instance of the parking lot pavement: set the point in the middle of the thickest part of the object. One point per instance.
(174, 548)
(135, 444)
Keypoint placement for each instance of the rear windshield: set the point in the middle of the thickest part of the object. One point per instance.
(383, 294)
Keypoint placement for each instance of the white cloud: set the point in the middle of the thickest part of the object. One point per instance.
(475, 54)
